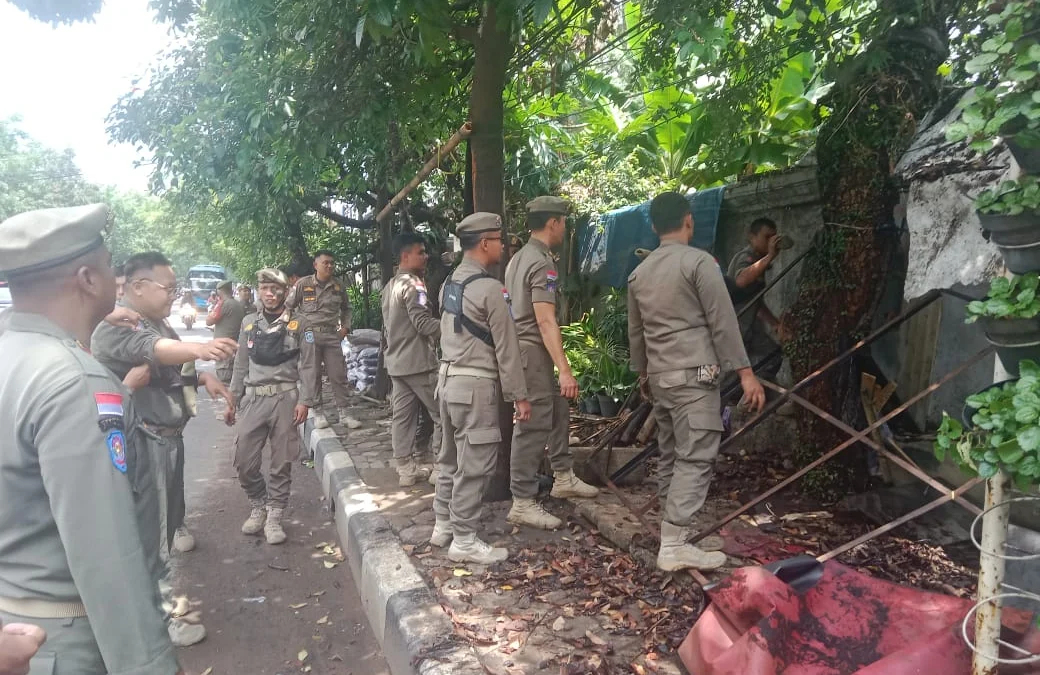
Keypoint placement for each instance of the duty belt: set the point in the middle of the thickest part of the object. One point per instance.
(42, 609)
(449, 369)
(166, 432)
(271, 389)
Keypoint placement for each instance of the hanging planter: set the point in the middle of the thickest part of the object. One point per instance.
(1011, 214)
(1027, 158)
(1010, 317)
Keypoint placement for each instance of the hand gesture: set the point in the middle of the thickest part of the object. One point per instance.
(774, 245)
(216, 389)
(343, 332)
(217, 350)
(300, 414)
(229, 416)
(123, 317)
(522, 411)
(568, 386)
(19, 642)
(138, 377)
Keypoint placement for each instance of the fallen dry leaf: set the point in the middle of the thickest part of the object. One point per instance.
(321, 544)
(323, 620)
(300, 605)
(208, 671)
(462, 572)
(559, 624)
(302, 656)
(507, 587)
(329, 564)
(595, 639)
(317, 594)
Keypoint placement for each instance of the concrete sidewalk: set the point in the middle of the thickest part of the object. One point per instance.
(565, 601)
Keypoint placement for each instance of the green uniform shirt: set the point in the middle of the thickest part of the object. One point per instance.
(412, 331)
(68, 523)
(249, 373)
(121, 348)
(320, 305)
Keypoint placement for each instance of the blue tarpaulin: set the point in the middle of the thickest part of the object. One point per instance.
(607, 243)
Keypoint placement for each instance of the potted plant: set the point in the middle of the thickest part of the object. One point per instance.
(1001, 430)
(617, 382)
(1011, 213)
(1010, 316)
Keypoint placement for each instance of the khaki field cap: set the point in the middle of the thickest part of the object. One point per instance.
(549, 205)
(36, 240)
(479, 223)
(224, 284)
(272, 276)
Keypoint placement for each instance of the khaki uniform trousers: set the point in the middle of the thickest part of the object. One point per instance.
(689, 428)
(328, 352)
(549, 425)
(412, 393)
(70, 648)
(469, 448)
(225, 369)
(264, 418)
(167, 452)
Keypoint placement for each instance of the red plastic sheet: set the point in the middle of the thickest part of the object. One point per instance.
(847, 623)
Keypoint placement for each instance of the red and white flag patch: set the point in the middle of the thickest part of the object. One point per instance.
(109, 404)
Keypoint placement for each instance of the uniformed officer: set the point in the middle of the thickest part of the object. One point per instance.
(531, 279)
(412, 333)
(748, 270)
(480, 363)
(72, 557)
(163, 404)
(322, 305)
(265, 383)
(226, 319)
(683, 333)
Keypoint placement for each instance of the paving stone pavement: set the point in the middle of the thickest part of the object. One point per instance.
(541, 610)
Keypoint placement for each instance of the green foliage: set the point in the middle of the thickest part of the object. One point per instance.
(597, 350)
(1006, 97)
(365, 312)
(1005, 431)
(603, 184)
(1013, 298)
(59, 11)
(1011, 197)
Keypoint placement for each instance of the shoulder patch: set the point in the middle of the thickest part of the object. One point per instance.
(550, 280)
(249, 327)
(308, 337)
(117, 449)
(294, 325)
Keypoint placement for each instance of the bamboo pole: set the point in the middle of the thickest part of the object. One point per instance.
(991, 576)
(464, 131)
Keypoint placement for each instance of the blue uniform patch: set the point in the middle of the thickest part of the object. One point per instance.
(422, 298)
(308, 337)
(550, 281)
(117, 449)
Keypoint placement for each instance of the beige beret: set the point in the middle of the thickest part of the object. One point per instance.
(479, 223)
(271, 275)
(37, 240)
(549, 205)
(226, 283)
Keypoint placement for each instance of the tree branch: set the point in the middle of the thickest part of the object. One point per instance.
(339, 219)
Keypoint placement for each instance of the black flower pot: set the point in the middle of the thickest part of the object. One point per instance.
(1017, 237)
(1028, 159)
(590, 405)
(608, 407)
(1015, 339)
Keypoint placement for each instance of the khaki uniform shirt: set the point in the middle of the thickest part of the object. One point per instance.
(120, 348)
(680, 315)
(749, 321)
(530, 278)
(68, 514)
(485, 303)
(320, 304)
(230, 322)
(412, 331)
(249, 373)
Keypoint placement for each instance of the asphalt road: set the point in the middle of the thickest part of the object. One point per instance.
(244, 591)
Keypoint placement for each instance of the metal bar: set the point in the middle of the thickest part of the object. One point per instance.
(736, 385)
(464, 131)
(868, 441)
(771, 406)
(859, 435)
(645, 454)
(780, 275)
(935, 503)
(622, 498)
(957, 294)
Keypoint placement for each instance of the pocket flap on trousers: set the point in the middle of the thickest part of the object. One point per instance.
(673, 379)
(455, 395)
(706, 421)
(485, 436)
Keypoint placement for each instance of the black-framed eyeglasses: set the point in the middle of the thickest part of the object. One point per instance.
(170, 290)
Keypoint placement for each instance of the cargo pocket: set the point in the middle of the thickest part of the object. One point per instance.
(485, 436)
(671, 380)
(481, 454)
(541, 415)
(457, 395)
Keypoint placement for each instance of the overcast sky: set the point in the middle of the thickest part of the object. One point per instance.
(64, 80)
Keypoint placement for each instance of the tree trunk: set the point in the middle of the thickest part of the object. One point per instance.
(872, 121)
(493, 47)
(294, 235)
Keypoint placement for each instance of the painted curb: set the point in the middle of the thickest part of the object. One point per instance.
(414, 631)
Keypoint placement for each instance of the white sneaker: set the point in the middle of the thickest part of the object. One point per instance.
(566, 484)
(529, 512)
(183, 541)
(257, 517)
(184, 634)
(319, 420)
(468, 548)
(346, 420)
(442, 533)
